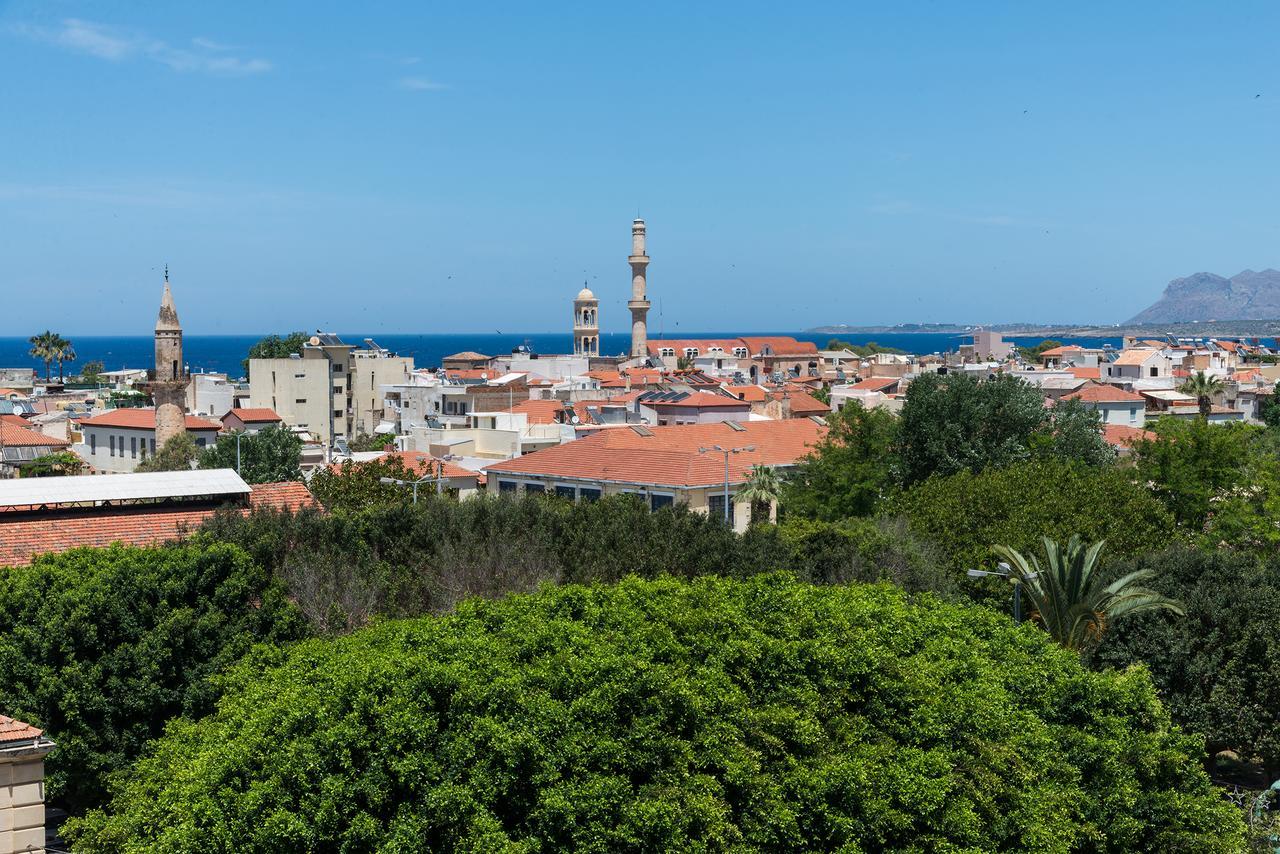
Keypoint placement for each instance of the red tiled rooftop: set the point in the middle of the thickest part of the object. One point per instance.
(142, 419)
(698, 400)
(1094, 373)
(539, 411)
(1102, 393)
(12, 730)
(418, 462)
(876, 383)
(255, 416)
(749, 393)
(803, 403)
(1123, 436)
(21, 539)
(15, 436)
(669, 455)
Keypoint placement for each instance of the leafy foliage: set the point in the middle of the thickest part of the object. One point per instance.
(955, 423)
(1032, 354)
(1069, 597)
(765, 715)
(179, 453)
(101, 646)
(850, 469)
(866, 550)
(57, 464)
(1190, 463)
(92, 371)
(1269, 407)
(966, 514)
(1205, 388)
(350, 485)
(1073, 434)
(275, 347)
(270, 455)
(863, 350)
(762, 489)
(1218, 669)
(365, 442)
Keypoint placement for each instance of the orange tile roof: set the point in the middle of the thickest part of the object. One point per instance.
(1065, 350)
(467, 356)
(1135, 356)
(749, 393)
(14, 420)
(698, 400)
(142, 419)
(803, 404)
(1123, 436)
(24, 536)
(1086, 373)
(15, 436)
(254, 416)
(424, 463)
(782, 345)
(1102, 393)
(539, 411)
(876, 383)
(11, 730)
(669, 456)
(10, 392)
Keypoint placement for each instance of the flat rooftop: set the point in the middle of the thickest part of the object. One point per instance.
(82, 490)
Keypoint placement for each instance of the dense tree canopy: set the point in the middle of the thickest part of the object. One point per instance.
(765, 715)
(966, 514)
(102, 646)
(178, 453)
(270, 455)
(275, 347)
(849, 470)
(1217, 669)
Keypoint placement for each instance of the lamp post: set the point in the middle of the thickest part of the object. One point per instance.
(716, 449)
(1005, 571)
(438, 477)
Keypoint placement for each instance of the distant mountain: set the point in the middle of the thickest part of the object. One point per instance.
(1206, 296)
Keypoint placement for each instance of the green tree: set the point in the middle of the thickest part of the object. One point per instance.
(1069, 597)
(56, 464)
(1217, 670)
(1205, 388)
(822, 394)
(1269, 407)
(955, 423)
(763, 489)
(351, 485)
(1033, 354)
(270, 455)
(376, 442)
(179, 453)
(1192, 463)
(43, 347)
(1073, 433)
(92, 372)
(849, 470)
(101, 646)
(684, 363)
(966, 513)
(61, 351)
(275, 347)
(761, 715)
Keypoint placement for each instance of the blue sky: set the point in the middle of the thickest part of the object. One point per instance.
(427, 167)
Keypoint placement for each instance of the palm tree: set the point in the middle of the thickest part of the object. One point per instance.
(1068, 596)
(762, 489)
(63, 351)
(1204, 387)
(42, 347)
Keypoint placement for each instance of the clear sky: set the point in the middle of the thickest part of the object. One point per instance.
(437, 167)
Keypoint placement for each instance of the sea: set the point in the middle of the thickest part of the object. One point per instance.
(224, 353)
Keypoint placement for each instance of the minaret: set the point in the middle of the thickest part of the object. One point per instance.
(639, 304)
(586, 323)
(169, 388)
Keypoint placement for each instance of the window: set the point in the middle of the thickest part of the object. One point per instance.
(563, 491)
(740, 352)
(1155, 372)
(153, 447)
(299, 400)
(589, 493)
(337, 413)
(337, 369)
(337, 389)
(93, 443)
(666, 351)
(507, 487)
(539, 488)
(658, 500)
(715, 507)
(200, 443)
(133, 447)
(690, 352)
(1133, 415)
(112, 440)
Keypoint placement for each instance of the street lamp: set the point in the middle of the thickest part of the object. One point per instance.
(438, 477)
(716, 449)
(1005, 571)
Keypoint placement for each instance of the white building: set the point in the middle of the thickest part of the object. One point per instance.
(117, 440)
(1113, 404)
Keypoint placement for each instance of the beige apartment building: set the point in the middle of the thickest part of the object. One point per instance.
(22, 752)
(329, 389)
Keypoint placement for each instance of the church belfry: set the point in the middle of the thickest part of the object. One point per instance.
(169, 387)
(586, 323)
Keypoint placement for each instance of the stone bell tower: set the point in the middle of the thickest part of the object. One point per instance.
(586, 323)
(169, 387)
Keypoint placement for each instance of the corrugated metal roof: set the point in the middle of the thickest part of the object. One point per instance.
(91, 489)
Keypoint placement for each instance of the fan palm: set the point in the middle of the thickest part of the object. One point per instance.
(1204, 387)
(762, 489)
(42, 348)
(62, 351)
(1069, 598)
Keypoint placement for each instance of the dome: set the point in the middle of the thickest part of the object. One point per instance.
(585, 293)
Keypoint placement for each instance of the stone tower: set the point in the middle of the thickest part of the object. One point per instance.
(639, 303)
(169, 388)
(586, 323)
